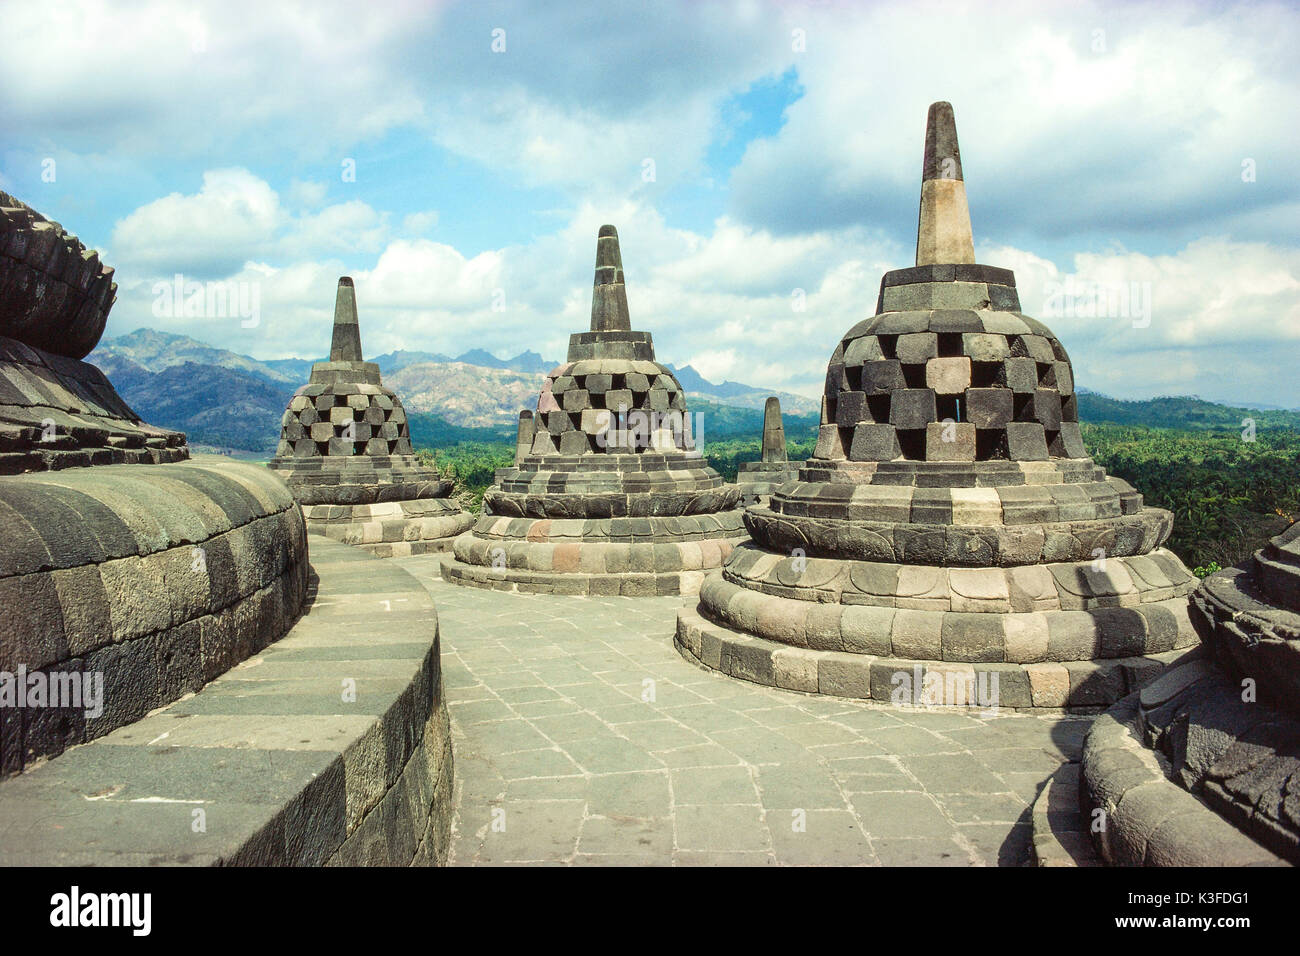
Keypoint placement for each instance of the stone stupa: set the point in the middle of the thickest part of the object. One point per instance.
(610, 495)
(950, 541)
(758, 479)
(1202, 767)
(345, 452)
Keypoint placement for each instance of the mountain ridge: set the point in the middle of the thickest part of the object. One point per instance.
(223, 399)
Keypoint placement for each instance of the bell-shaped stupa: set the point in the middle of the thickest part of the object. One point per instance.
(611, 495)
(345, 452)
(758, 479)
(950, 541)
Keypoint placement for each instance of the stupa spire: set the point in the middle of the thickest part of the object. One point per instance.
(773, 431)
(608, 295)
(346, 344)
(943, 232)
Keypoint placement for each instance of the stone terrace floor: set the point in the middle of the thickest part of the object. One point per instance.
(554, 740)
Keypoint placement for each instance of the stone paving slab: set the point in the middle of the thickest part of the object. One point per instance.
(583, 738)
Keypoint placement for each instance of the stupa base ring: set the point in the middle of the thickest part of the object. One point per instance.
(392, 529)
(1086, 686)
(601, 567)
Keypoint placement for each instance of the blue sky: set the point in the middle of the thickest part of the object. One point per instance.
(1103, 146)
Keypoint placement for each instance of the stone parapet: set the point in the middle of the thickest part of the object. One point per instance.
(329, 747)
(158, 578)
(1202, 797)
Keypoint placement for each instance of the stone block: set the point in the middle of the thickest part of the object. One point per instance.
(577, 400)
(1025, 640)
(866, 629)
(1047, 408)
(872, 442)
(1019, 374)
(912, 407)
(917, 635)
(1064, 378)
(619, 398)
(844, 675)
(1026, 441)
(948, 376)
(917, 348)
(989, 407)
(950, 441)
(574, 443)
(851, 408)
(1038, 348)
(972, 637)
(863, 350)
(829, 444)
(881, 377)
(985, 346)
(1069, 442)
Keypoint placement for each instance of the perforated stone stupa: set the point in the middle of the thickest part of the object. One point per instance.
(1202, 767)
(758, 479)
(345, 452)
(950, 541)
(610, 495)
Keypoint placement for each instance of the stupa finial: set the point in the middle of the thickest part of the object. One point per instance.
(608, 295)
(773, 432)
(943, 232)
(346, 344)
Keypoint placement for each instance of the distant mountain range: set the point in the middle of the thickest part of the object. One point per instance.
(224, 399)
(230, 401)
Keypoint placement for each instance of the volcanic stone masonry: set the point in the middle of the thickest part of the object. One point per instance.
(345, 452)
(133, 581)
(758, 479)
(120, 557)
(950, 541)
(609, 494)
(1202, 767)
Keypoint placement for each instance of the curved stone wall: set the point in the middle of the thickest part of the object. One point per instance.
(57, 412)
(1146, 818)
(329, 747)
(157, 577)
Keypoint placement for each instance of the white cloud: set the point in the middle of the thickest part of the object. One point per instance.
(231, 219)
(1222, 312)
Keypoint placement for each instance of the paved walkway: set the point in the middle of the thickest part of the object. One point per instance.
(582, 737)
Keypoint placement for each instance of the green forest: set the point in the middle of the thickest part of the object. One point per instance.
(1230, 488)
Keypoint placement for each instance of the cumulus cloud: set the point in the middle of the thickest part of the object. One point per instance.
(232, 218)
(1103, 144)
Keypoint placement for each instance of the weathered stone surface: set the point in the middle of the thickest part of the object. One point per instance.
(614, 442)
(349, 450)
(286, 778)
(949, 493)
